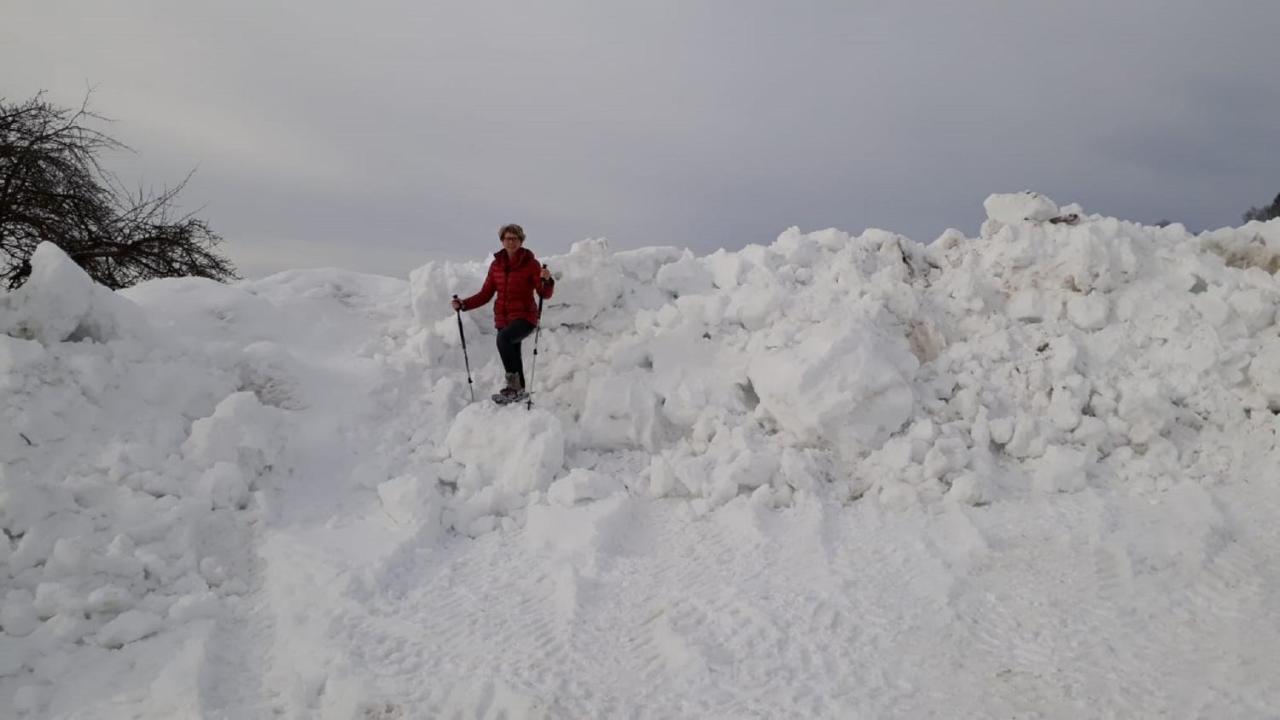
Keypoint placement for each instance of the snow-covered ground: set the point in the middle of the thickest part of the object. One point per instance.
(1027, 474)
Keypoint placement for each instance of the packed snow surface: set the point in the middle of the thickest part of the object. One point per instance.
(1025, 474)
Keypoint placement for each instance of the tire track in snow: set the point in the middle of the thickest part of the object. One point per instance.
(1136, 618)
(1050, 618)
(900, 584)
(503, 605)
(705, 640)
(1239, 581)
(661, 628)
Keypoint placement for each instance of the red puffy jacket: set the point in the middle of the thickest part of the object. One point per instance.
(515, 282)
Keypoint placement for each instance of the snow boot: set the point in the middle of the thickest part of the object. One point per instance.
(513, 392)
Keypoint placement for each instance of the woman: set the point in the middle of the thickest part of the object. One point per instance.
(514, 275)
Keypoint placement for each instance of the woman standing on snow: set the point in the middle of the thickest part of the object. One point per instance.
(515, 276)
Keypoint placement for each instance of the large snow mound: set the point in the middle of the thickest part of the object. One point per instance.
(142, 433)
(131, 452)
(1111, 352)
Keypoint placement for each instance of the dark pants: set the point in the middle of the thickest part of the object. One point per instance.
(509, 339)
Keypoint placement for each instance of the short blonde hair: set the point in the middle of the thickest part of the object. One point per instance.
(512, 228)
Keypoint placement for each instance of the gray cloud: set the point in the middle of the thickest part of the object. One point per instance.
(368, 136)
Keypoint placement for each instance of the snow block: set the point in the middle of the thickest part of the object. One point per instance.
(129, 626)
(225, 486)
(1013, 208)
(589, 281)
(621, 411)
(241, 431)
(512, 449)
(1088, 312)
(1264, 371)
(433, 285)
(846, 382)
(686, 276)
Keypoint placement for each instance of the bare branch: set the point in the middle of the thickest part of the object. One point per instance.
(53, 188)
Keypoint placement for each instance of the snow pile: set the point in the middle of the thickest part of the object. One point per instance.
(128, 459)
(59, 302)
(1102, 352)
(166, 450)
(1054, 352)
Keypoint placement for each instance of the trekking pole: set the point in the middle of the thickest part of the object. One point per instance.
(534, 368)
(465, 359)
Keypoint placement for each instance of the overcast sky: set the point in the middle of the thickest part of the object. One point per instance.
(378, 135)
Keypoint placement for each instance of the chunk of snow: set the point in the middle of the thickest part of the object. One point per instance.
(1062, 469)
(60, 302)
(1011, 208)
(1088, 312)
(621, 411)
(582, 484)
(413, 501)
(514, 450)
(129, 626)
(1264, 370)
(845, 382)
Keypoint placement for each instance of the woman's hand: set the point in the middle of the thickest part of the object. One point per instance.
(457, 304)
(546, 274)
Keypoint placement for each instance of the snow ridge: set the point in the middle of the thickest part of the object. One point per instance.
(1040, 356)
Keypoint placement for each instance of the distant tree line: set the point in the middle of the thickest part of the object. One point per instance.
(1264, 213)
(52, 188)
(1261, 214)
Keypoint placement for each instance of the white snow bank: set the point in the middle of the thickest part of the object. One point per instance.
(1125, 354)
(60, 302)
(140, 430)
(129, 453)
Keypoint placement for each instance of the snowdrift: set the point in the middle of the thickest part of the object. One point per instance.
(136, 429)
(1054, 352)
(146, 434)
